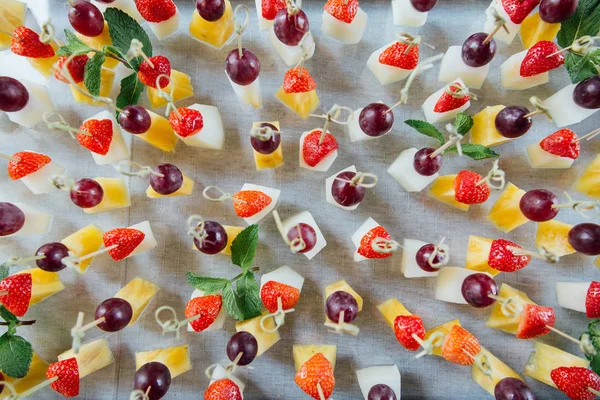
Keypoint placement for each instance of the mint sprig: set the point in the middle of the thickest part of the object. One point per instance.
(73, 45)
(92, 78)
(123, 29)
(131, 89)
(593, 331)
(427, 129)
(16, 354)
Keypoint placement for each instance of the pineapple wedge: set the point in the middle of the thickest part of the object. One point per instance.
(478, 252)
(116, 195)
(139, 293)
(12, 16)
(484, 130)
(499, 372)
(35, 376)
(92, 357)
(391, 309)
(186, 189)
(98, 42)
(554, 236)
(45, 66)
(303, 353)
(83, 242)
(444, 328)
(301, 103)
(534, 29)
(232, 232)
(265, 340)
(545, 358)
(268, 161)
(43, 284)
(213, 33)
(107, 79)
(176, 358)
(497, 319)
(183, 89)
(506, 214)
(589, 181)
(160, 134)
(343, 286)
(442, 189)
(597, 262)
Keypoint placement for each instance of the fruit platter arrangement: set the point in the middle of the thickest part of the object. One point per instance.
(287, 199)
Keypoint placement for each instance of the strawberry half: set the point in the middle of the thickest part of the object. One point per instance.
(313, 152)
(343, 10)
(467, 191)
(562, 143)
(156, 10)
(18, 296)
(24, 163)
(460, 346)
(407, 325)
(271, 291)
(295, 83)
(27, 43)
(223, 389)
(366, 243)
(575, 381)
(207, 306)
(533, 321)
(247, 203)
(76, 68)
(153, 67)
(447, 102)
(396, 57)
(319, 370)
(270, 8)
(186, 121)
(503, 259)
(127, 240)
(67, 372)
(592, 300)
(102, 135)
(518, 10)
(536, 60)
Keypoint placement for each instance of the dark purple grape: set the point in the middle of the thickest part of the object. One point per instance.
(510, 122)
(86, 193)
(536, 205)
(290, 29)
(86, 18)
(513, 389)
(307, 233)
(135, 119)
(266, 146)
(215, 241)
(242, 70)
(13, 95)
(346, 193)
(554, 11)
(170, 181)
(423, 5)
(54, 253)
(153, 374)
(381, 392)
(117, 314)
(477, 288)
(475, 52)
(211, 10)
(585, 238)
(587, 93)
(106, 1)
(422, 258)
(245, 343)
(12, 219)
(376, 119)
(424, 164)
(1, 379)
(341, 301)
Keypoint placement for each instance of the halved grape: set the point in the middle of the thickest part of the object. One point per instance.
(135, 119)
(554, 11)
(424, 164)
(86, 193)
(376, 119)
(511, 122)
(308, 234)
(211, 10)
(245, 343)
(170, 181)
(215, 241)
(477, 288)
(381, 392)
(266, 146)
(290, 29)
(587, 93)
(12, 219)
(475, 52)
(86, 18)
(585, 238)
(536, 205)
(346, 193)
(242, 70)
(13, 94)
(117, 314)
(422, 258)
(512, 389)
(54, 253)
(155, 375)
(341, 301)
(423, 5)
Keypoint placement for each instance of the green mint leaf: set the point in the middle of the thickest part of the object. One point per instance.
(595, 363)
(426, 129)
(7, 315)
(475, 151)
(232, 303)
(4, 271)
(243, 248)
(594, 328)
(585, 21)
(463, 123)
(123, 29)
(206, 284)
(73, 45)
(131, 88)
(92, 74)
(249, 293)
(582, 67)
(15, 356)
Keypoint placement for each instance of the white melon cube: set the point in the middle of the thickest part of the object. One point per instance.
(272, 193)
(248, 94)
(404, 14)
(357, 236)
(436, 117)
(346, 33)
(292, 55)
(490, 23)
(39, 103)
(384, 374)
(510, 74)
(221, 373)
(540, 158)
(572, 295)
(403, 171)
(356, 132)
(212, 135)
(127, 6)
(40, 10)
(117, 150)
(563, 110)
(329, 184)
(284, 275)
(453, 67)
(324, 164)
(165, 28)
(219, 321)
(384, 73)
(40, 181)
(149, 241)
(306, 218)
(410, 268)
(36, 221)
(20, 68)
(449, 284)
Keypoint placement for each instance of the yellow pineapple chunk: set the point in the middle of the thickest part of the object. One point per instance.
(43, 284)
(267, 161)
(216, 33)
(589, 181)
(506, 214)
(187, 187)
(83, 242)
(97, 42)
(534, 29)
(343, 286)
(45, 66)
(545, 358)
(484, 130)
(391, 309)
(160, 134)
(92, 357)
(442, 189)
(304, 352)
(597, 262)
(35, 376)
(554, 237)
(445, 329)
(478, 252)
(139, 293)
(116, 195)
(176, 358)
(265, 340)
(301, 103)
(107, 79)
(497, 319)
(183, 89)
(12, 15)
(499, 372)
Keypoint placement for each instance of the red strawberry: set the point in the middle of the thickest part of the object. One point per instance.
(156, 10)
(317, 370)
(270, 8)
(223, 389)
(295, 83)
(24, 163)
(592, 300)
(313, 152)
(533, 321)
(467, 191)
(26, 42)
(503, 259)
(518, 10)
(102, 135)
(396, 57)
(208, 306)
(343, 10)
(366, 243)
(575, 381)
(536, 60)
(407, 325)
(186, 121)
(460, 346)
(67, 372)
(271, 291)
(562, 143)
(18, 296)
(127, 240)
(153, 67)
(76, 68)
(250, 202)
(448, 102)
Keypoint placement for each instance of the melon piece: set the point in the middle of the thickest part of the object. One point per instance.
(182, 89)
(499, 372)
(176, 358)
(444, 329)
(442, 189)
(403, 171)
(265, 340)
(284, 275)
(303, 353)
(405, 14)
(43, 284)
(116, 195)
(506, 213)
(534, 29)
(563, 110)
(540, 158)
(92, 357)
(449, 284)
(391, 309)
(83, 242)
(34, 111)
(384, 73)
(301, 103)
(165, 28)
(497, 319)
(107, 80)
(211, 134)
(484, 130)
(35, 376)
(292, 55)
(572, 295)
(160, 134)
(139, 293)
(186, 189)
(510, 74)
(268, 161)
(478, 252)
(546, 358)
(217, 33)
(346, 33)
(36, 221)
(452, 67)
(381, 374)
(553, 235)
(588, 182)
